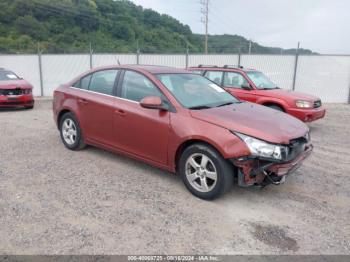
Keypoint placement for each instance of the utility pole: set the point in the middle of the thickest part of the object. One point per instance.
(250, 46)
(205, 20)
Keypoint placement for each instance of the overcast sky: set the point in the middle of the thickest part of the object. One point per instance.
(320, 25)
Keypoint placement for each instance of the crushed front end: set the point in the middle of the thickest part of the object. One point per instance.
(255, 170)
(16, 97)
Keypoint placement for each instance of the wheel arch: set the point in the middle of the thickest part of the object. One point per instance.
(185, 144)
(273, 103)
(64, 111)
(60, 114)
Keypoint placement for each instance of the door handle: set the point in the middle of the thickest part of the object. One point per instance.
(120, 112)
(83, 101)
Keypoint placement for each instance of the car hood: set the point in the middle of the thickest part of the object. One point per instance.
(13, 84)
(254, 120)
(283, 93)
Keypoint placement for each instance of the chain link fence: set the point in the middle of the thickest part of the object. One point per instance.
(326, 76)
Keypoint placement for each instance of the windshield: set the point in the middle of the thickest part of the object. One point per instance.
(7, 75)
(195, 91)
(261, 81)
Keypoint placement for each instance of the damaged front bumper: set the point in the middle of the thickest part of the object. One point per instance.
(261, 172)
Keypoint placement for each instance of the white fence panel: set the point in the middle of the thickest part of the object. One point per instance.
(219, 60)
(60, 69)
(174, 60)
(112, 59)
(26, 66)
(280, 69)
(325, 76)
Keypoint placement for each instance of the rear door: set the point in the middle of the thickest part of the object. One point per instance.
(233, 82)
(140, 131)
(96, 106)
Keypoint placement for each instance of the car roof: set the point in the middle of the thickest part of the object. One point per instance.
(153, 69)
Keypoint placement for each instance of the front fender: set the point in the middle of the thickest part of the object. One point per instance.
(188, 129)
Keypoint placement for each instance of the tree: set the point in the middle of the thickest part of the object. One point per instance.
(28, 25)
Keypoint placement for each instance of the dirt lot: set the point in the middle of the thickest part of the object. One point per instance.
(55, 201)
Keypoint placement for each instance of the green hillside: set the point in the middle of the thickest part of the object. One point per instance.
(236, 44)
(67, 26)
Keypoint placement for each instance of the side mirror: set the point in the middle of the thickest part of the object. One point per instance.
(153, 102)
(246, 86)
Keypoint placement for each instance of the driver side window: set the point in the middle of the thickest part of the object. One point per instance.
(233, 79)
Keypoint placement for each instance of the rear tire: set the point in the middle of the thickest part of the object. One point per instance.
(205, 173)
(28, 107)
(71, 133)
(276, 107)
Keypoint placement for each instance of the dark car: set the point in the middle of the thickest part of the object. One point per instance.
(180, 122)
(254, 86)
(14, 91)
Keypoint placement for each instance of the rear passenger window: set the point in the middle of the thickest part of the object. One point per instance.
(84, 82)
(136, 87)
(76, 84)
(102, 81)
(215, 76)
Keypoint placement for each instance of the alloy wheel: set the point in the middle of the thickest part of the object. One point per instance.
(69, 131)
(201, 172)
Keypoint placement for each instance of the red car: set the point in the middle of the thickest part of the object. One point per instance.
(253, 86)
(14, 91)
(181, 122)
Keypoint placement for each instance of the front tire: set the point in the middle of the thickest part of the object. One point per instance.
(71, 133)
(205, 173)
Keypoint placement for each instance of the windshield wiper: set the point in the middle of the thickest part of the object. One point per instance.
(199, 107)
(225, 104)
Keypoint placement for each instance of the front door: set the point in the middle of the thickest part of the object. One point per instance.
(233, 82)
(140, 131)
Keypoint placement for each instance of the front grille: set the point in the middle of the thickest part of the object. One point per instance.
(296, 147)
(11, 92)
(317, 104)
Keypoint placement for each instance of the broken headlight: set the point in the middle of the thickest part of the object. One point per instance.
(263, 149)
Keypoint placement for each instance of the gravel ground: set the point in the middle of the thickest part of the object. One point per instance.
(55, 201)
